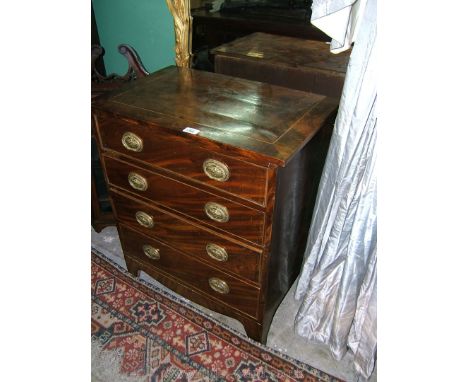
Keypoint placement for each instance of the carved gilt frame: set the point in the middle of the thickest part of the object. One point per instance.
(180, 10)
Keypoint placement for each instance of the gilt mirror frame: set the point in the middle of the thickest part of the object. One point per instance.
(180, 10)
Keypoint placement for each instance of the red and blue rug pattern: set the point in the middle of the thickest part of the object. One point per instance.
(161, 338)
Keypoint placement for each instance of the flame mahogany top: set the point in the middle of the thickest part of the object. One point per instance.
(261, 122)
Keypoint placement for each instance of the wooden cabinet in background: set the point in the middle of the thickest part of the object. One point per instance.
(211, 29)
(285, 61)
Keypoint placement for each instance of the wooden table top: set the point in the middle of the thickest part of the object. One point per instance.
(271, 121)
(287, 51)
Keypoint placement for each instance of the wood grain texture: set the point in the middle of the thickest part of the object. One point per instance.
(179, 155)
(295, 63)
(315, 81)
(253, 120)
(248, 126)
(253, 328)
(286, 51)
(243, 221)
(188, 238)
(191, 272)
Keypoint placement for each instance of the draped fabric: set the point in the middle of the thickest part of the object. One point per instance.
(337, 285)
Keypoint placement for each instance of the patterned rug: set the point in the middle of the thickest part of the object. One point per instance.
(140, 333)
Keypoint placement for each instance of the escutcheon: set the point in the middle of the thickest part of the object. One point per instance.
(216, 252)
(144, 219)
(132, 142)
(217, 212)
(218, 285)
(137, 181)
(151, 252)
(216, 170)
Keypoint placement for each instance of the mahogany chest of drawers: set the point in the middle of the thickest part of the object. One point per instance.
(212, 180)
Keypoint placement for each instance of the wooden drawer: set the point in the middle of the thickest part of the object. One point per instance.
(188, 238)
(242, 221)
(180, 155)
(237, 294)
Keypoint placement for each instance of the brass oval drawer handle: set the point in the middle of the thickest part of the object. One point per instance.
(144, 219)
(132, 142)
(216, 170)
(217, 212)
(216, 252)
(151, 252)
(218, 285)
(137, 181)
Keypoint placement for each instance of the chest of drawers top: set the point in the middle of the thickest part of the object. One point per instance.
(255, 122)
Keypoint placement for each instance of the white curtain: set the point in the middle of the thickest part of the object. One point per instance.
(337, 284)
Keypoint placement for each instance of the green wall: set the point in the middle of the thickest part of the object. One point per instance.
(146, 25)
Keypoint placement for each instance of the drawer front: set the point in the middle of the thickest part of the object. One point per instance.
(216, 284)
(186, 237)
(180, 155)
(203, 206)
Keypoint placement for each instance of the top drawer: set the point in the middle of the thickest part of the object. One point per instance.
(176, 153)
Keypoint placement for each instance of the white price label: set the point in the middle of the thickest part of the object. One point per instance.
(191, 130)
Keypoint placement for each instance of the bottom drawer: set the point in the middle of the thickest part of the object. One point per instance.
(217, 284)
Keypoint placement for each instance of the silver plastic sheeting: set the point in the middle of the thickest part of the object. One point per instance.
(338, 281)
